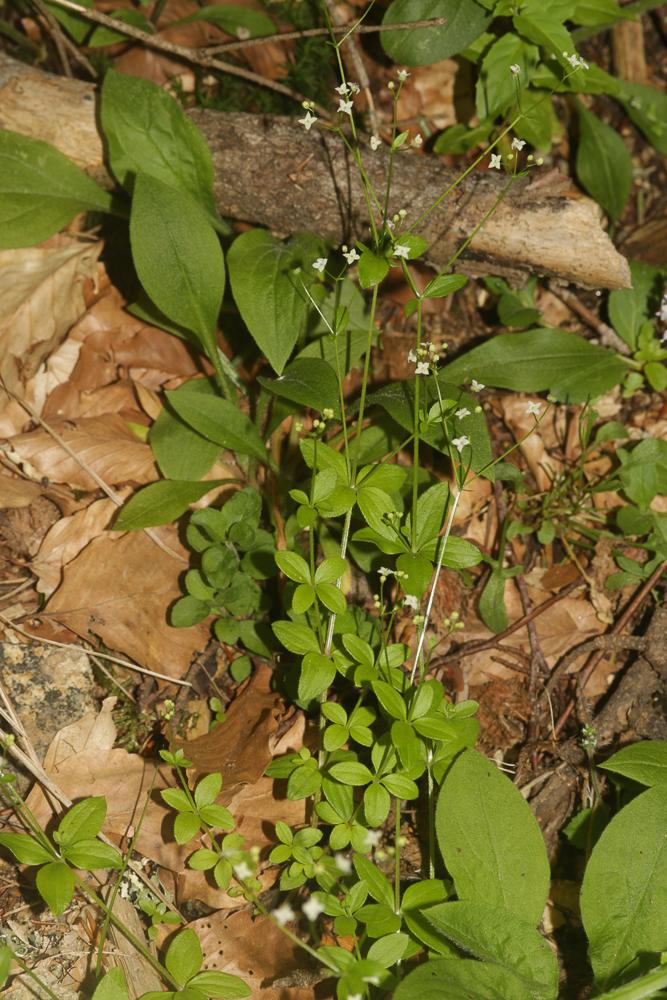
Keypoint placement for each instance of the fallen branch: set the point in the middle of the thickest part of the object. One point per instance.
(271, 172)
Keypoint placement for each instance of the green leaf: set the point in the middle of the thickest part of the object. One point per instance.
(571, 368)
(83, 820)
(112, 986)
(625, 886)
(180, 452)
(444, 284)
(539, 121)
(647, 108)
(629, 307)
(184, 956)
(645, 762)
(460, 979)
(491, 605)
(401, 786)
(232, 17)
(643, 472)
(389, 950)
(147, 132)
(372, 269)
(311, 382)
(25, 848)
(188, 611)
(374, 880)
(217, 816)
(6, 958)
(351, 772)
(92, 854)
(423, 46)
(498, 937)
(186, 826)
(595, 12)
(390, 699)
(497, 86)
(107, 36)
(603, 163)
(293, 566)
(55, 884)
(161, 503)
(208, 789)
(331, 597)
(178, 258)
(221, 984)
(481, 819)
(202, 860)
(74, 24)
(41, 190)
(297, 638)
(377, 803)
(266, 276)
(220, 421)
(317, 673)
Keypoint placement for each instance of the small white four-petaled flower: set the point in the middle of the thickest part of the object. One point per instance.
(242, 871)
(496, 161)
(401, 250)
(410, 601)
(518, 143)
(312, 909)
(345, 107)
(320, 264)
(283, 914)
(343, 864)
(515, 69)
(533, 409)
(403, 75)
(375, 142)
(476, 386)
(463, 412)
(412, 357)
(308, 120)
(350, 255)
(575, 61)
(422, 368)
(461, 442)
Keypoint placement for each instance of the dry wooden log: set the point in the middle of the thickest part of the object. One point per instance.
(270, 171)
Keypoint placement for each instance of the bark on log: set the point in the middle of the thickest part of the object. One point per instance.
(270, 171)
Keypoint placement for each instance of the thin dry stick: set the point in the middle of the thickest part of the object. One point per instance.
(607, 335)
(632, 607)
(342, 29)
(110, 493)
(64, 44)
(199, 57)
(104, 656)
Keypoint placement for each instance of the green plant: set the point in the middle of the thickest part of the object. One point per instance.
(327, 492)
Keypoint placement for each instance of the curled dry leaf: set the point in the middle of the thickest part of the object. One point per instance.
(536, 449)
(41, 296)
(120, 588)
(430, 92)
(105, 444)
(65, 539)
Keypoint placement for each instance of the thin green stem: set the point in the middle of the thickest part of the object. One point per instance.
(646, 986)
(364, 384)
(415, 431)
(397, 856)
(33, 975)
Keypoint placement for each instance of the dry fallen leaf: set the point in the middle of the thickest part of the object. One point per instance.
(120, 588)
(106, 444)
(41, 296)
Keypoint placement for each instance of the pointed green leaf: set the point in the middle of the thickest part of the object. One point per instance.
(220, 421)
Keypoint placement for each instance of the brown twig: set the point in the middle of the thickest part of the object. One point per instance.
(199, 57)
(586, 673)
(342, 29)
(608, 336)
(64, 44)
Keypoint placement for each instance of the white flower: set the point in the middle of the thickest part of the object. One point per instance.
(242, 33)
(345, 107)
(351, 255)
(410, 601)
(533, 409)
(320, 264)
(283, 914)
(461, 442)
(308, 121)
(515, 69)
(343, 90)
(375, 142)
(496, 161)
(662, 311)
(422, 368)
(417, 141)
(343, 864)
(373, 837)
(412, 357)
(403, 75)
(401, 250)
(518, 143)
(575, 61)
(385, 571)
(476, 386)
(463, 412)
(242, 871)
(312, 908)
(354, 996)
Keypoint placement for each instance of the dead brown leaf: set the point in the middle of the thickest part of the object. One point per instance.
(106, 444)
(66, 539)
(120, 588)
(41, 296)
